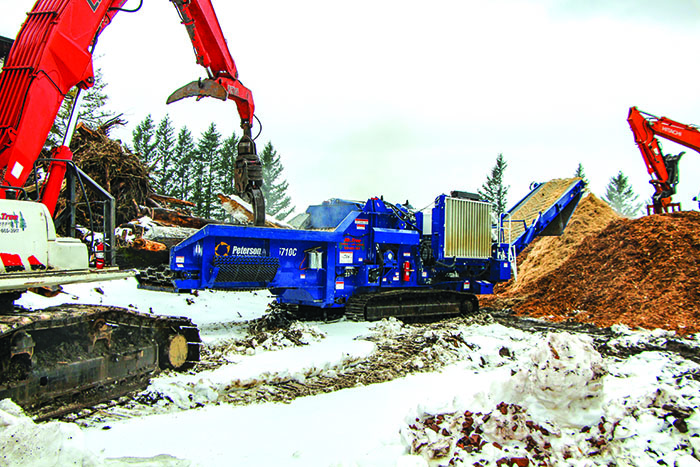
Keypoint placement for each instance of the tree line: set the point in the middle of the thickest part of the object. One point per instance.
(618, 193)
(196, 170)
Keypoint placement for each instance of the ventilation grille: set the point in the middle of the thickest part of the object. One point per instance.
(467, 229)
(246, 268)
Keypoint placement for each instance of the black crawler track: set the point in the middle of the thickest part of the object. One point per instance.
(407, 305)
(96, 352)
(410, 304)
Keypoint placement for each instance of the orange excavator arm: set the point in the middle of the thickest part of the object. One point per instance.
(663, 168)
(53, 53)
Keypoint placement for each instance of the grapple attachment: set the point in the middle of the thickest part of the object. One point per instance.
(199, 89)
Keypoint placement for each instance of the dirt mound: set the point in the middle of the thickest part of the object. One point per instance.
(641, 272)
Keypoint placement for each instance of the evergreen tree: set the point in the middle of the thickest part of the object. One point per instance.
(205, 182)
(493, 190)
(225, 164)
(581, 174)
(143, 139)
(182, 170)
(277, 202)
(163, 156)
(91, 111)
(620, 196)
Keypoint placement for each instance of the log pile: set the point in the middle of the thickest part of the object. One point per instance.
(242, 212)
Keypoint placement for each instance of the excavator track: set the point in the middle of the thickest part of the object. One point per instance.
(95, 353)
(409, 304)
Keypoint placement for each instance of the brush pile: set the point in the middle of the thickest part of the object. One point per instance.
(120, 172)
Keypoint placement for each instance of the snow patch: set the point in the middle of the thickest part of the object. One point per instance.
(23, 442)
(566, 409)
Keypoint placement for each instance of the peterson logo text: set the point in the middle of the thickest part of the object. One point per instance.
(244, 250)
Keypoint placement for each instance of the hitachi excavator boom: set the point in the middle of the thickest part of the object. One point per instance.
(663, 168)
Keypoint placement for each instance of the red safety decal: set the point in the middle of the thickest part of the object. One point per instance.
(11, 262)
(35, 264)
(361, 224)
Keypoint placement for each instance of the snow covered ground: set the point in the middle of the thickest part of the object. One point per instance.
(494, 395)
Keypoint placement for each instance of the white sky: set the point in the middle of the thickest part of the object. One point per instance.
(410, 99)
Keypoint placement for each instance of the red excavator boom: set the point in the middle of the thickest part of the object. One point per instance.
(108, 348)
(663, 168)
(53, 53)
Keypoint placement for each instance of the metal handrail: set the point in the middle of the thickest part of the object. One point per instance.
(14, 188)
(76, 175)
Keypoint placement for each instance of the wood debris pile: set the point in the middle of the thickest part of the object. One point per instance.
(641, 272)
(637, 272)
(149, 223)
(120, 172)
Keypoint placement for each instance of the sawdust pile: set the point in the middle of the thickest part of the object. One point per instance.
(638, 272)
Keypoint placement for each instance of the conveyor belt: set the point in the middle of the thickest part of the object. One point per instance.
(539, 200)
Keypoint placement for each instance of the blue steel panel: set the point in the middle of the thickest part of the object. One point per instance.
(396, 237)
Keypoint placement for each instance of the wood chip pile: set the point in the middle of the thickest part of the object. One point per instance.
(608, 270)
(545, 254)
(126, 178)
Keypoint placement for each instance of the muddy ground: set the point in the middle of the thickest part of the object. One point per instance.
(401, 349)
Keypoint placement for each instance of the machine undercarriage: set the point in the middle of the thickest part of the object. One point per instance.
(73, 350)
(410, 305)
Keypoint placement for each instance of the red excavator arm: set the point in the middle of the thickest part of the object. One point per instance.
(663, 168)
(53, 53)
(212, 53)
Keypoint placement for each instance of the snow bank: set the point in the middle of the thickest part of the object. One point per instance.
(240, 365)
(562, 375)
(23, 442)
(561, 407)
